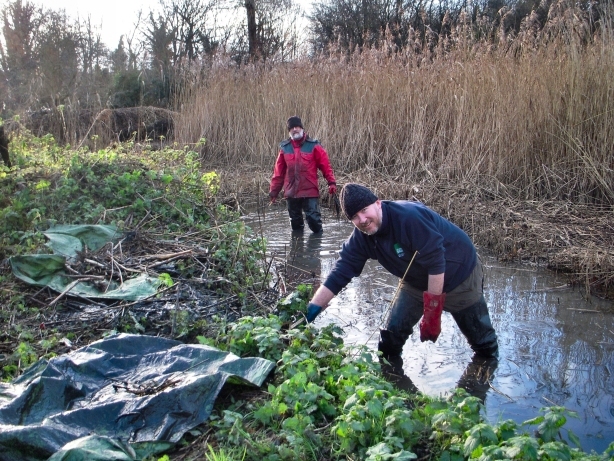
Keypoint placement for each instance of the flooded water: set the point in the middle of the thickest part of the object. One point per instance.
(556, 348)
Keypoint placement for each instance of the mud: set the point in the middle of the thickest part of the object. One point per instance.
(556, 347)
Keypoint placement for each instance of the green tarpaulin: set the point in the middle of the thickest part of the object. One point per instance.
(67, 242)
(123, 397)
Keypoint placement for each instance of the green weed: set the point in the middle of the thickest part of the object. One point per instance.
(163, 192)
(330, 401)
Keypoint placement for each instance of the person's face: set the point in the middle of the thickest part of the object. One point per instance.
(369, 219)
(296, 132)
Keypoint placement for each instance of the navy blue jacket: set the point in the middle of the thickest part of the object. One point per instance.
(408, 227)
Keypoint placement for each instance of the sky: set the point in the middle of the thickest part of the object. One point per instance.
(117, 17)
(113, 17)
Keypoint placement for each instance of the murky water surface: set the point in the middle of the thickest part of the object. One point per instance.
(556, 348)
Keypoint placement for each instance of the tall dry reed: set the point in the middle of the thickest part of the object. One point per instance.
(540, 123)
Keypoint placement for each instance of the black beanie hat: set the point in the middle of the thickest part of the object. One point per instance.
(293, 122)
(354, 198)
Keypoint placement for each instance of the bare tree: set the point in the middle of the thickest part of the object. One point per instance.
(18, 60)
(119, 57)
(93, 51)
(255, 46)
(58, 51)
(354, 23)
(49, 59)
(183, 30)
(161, 39)
(269, 29)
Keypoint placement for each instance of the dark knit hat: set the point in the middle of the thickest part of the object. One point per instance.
(354, 197)
(293, 122)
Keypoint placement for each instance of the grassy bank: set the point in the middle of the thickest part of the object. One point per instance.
(171, 226)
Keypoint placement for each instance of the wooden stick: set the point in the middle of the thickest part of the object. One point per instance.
(68, 288)
(168, 255)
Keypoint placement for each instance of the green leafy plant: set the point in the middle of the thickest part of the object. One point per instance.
(382, 452)
(165, 279)
(26, 354)
(330, 401)
(550, 423)
(255, 336)
(373, 415)
(295, 303)
(225, 455)
(479, 436)
(211, 181)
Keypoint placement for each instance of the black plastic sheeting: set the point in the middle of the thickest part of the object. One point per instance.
(122, 393)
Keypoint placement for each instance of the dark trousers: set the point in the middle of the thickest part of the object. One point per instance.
(311, 207)
(473, 321)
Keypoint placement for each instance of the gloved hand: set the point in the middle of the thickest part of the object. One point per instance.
(313, 310)
(273, 198)
(430, 325)
(332, 189)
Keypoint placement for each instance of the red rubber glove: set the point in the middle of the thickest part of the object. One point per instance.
(430, 325)
(332, 189)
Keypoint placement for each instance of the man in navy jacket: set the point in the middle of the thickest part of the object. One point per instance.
(435, 259)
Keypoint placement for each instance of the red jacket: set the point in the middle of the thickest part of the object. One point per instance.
(296, 168)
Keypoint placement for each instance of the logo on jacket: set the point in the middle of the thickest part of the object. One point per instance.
(399, 250)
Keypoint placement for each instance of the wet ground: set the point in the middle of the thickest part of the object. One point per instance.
(556, 347)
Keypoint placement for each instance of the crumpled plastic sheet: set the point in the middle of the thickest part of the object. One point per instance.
(67, 243)
(124, 389)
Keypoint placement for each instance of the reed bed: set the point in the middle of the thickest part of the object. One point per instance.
(512, 142)
(540, 123)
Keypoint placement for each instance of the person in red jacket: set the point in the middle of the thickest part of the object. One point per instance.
(296, 171)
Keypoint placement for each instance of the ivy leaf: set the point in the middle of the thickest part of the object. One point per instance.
(357, 426)
(506, 429)
(264, 414)
(379, 450)
(576, 441)
(534, 421)
(400, 421)
(447, 421)
(375, 408)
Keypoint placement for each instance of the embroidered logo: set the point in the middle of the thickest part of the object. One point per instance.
(399, 250)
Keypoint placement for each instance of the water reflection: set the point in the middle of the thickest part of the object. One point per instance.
(556, 348)
(392, 369)
(477, 376)
(304, 257)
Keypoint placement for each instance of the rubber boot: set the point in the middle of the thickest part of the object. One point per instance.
(474, 322)
(295, 211)
(404, 315)
(390, 344)
(311, 207)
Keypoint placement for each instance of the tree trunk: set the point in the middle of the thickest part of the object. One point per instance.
(4, 147)
(252, 36)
